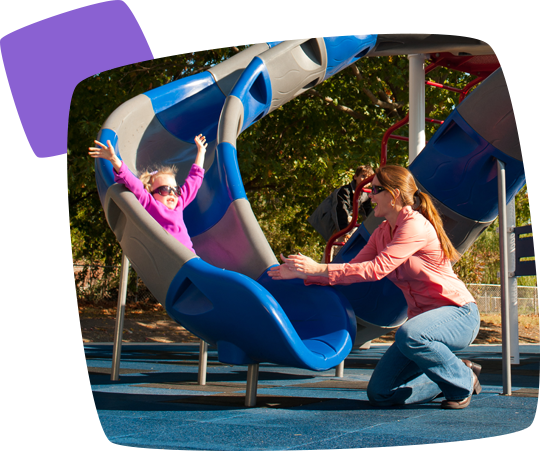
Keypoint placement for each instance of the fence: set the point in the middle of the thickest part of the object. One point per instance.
(488, 298)
(101, 282)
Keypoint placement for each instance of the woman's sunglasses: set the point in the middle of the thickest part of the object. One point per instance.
(166, 190)
(376, 189)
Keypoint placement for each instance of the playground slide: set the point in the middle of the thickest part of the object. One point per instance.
(223, 294)
(458, 168)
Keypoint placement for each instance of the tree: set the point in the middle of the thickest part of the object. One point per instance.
(289, 161)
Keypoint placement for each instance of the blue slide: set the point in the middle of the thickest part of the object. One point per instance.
(222, 294)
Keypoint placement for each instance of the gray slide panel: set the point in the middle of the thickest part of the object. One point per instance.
(143, 142)
(130, 120)
(294, 67)
(407, 44)
(155, 255)
(462, 231)
(231, 120)
(236, 243)
(496, 123)
(228, 72)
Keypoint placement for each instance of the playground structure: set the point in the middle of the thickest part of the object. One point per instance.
(223, 294)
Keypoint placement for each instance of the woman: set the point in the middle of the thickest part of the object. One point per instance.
(413, 251)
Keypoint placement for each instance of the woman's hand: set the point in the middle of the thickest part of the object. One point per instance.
(284, 271)
(306, 265)
(107, 153)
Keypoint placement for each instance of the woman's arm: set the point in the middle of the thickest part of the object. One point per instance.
(409, 238)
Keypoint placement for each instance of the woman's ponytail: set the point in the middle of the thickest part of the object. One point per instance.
(397, 177)
(428, 210)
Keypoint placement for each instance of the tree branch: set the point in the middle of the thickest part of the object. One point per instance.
(387, 104)
(329, 101)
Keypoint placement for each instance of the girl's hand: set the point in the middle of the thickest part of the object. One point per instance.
(201, 143)
(306, 265)
(107, 153)
(283, 272)
(103, 151)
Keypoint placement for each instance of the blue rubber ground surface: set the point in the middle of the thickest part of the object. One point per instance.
(158, 404)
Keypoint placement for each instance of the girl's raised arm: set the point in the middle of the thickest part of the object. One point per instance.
(201, 143)
(106, 152)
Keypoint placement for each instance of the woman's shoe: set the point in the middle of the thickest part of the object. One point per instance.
(446, 404)
(473, 366)
(461, 404)
(476, 370)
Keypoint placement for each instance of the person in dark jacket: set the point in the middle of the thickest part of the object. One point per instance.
(344, 207)
(336, 211)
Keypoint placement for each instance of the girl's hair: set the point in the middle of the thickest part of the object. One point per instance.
(397, 177)
(148, 176)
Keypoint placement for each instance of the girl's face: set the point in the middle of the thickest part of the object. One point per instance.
(169, 200)
(383, 200)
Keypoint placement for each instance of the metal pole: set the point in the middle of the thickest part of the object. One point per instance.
(203, 362)
(505, 295)
(120, 310)
(417, 105)
(251, 387)
(512, 282)
(339, 369)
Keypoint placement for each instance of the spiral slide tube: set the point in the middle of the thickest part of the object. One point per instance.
(223, 294)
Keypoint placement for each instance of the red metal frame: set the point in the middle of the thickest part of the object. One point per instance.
(481, 66)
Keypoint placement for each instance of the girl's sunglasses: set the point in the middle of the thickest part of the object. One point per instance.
(376, 189)
(166, 190)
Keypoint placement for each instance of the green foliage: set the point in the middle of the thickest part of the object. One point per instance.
(93, 100)
(289, 161)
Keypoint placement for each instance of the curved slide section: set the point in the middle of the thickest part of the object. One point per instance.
(223, 294)
(458, 168)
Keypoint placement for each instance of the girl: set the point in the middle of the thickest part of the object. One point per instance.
(411, 249)
(157, 191)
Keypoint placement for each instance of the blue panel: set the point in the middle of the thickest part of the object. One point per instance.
(353, 246)
(222, 185)
(525, 268)
(254, 90)
(273, 39)
(103, 168)
(170, 94)
(524, 249)
(343, 51)
(248, 325)
(459, 168)
(197, 114)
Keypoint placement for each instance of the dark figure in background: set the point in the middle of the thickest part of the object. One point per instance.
(336, 211)
(344, 207)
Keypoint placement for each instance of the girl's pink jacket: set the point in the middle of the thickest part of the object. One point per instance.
(412, 258)
(171, 220)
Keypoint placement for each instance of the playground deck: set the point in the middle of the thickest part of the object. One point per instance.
(158, 404)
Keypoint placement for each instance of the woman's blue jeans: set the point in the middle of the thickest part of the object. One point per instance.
(421, 364)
